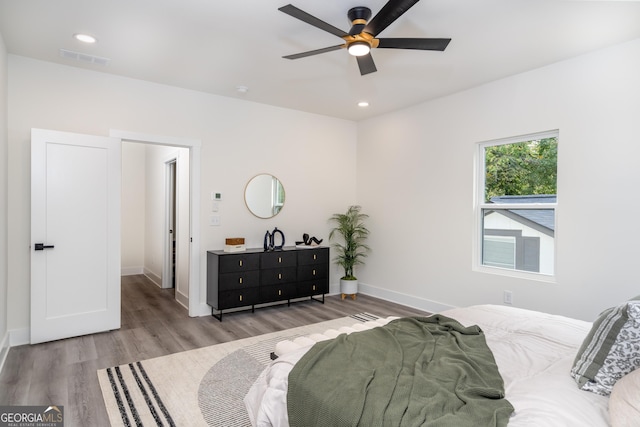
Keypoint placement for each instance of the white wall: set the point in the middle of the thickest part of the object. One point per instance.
(416, 181)
(133, 207)
(3, 201)
(239, 140)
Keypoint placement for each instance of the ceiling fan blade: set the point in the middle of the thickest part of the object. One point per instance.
(421, 44)
(387, 15)
(366, 64)
(311, 20)
(315, 52)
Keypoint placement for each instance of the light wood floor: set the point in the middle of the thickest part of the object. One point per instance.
(153, 324)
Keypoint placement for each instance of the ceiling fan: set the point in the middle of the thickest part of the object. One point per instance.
(361, 38)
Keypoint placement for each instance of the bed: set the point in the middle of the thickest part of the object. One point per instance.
(534, 353)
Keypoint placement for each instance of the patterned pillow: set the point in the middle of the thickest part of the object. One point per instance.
(611, 349)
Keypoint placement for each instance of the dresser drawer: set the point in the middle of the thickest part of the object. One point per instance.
(313, 256)
(276, 292)
(273, 276)
(312, 271)
(237, 298)
(244, 279)
(239, 262)
(277, 259)
(311, 287)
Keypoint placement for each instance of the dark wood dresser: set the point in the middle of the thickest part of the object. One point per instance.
(244, 279)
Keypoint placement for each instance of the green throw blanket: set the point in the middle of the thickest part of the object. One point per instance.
(424, 371)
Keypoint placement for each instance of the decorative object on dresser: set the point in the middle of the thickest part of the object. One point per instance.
(308, 241)
(270, 240)
(256, 277)
(234, 244)
(350, 226)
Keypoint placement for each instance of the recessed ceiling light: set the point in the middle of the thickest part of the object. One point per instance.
(85, 38)
(363, 104)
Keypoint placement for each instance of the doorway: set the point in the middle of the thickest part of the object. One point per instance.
(185, 183)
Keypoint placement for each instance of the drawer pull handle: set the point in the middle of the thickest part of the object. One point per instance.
(315, 257)
(279, 259)
(240, 281)
(240, 263)
(314, 271)
(240, 297)
(313, 288)
(279, 275)
(279, 292)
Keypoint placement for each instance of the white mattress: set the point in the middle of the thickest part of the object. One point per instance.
(534, 352)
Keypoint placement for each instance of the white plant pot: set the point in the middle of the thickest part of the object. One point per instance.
(348, 287)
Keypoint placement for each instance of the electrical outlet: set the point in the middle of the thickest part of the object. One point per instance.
(214, 220)
(508, 297)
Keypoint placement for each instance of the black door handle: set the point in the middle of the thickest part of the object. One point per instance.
(42, 246)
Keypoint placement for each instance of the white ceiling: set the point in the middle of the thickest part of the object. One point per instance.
(214, 46)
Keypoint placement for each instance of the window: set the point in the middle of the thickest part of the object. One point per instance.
(517, 201)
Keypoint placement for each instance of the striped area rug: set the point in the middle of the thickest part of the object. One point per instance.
(202, 387)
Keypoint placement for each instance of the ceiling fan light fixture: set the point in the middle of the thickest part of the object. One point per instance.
(359, 48)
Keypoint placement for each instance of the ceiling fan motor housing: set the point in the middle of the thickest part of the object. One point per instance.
(359, 15)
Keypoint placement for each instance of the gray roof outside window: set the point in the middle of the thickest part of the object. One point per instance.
(544, 218)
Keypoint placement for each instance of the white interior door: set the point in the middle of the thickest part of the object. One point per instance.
(75, 234)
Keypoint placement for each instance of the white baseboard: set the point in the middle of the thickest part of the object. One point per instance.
(153, 277)
(404, 299)
(396, 297)
(131, 271)
(182, 299)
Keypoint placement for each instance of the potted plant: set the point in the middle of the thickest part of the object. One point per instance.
(352, 249)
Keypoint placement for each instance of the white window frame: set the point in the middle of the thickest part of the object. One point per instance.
(480, 205)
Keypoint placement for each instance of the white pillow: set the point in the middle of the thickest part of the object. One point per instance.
(624, 404)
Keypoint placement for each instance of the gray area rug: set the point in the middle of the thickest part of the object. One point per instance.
(202, 387)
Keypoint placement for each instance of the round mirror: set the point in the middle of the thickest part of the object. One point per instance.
(264, 195)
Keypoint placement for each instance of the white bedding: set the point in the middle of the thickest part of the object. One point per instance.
(534, 352)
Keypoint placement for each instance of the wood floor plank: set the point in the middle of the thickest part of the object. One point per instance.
(153, 324)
